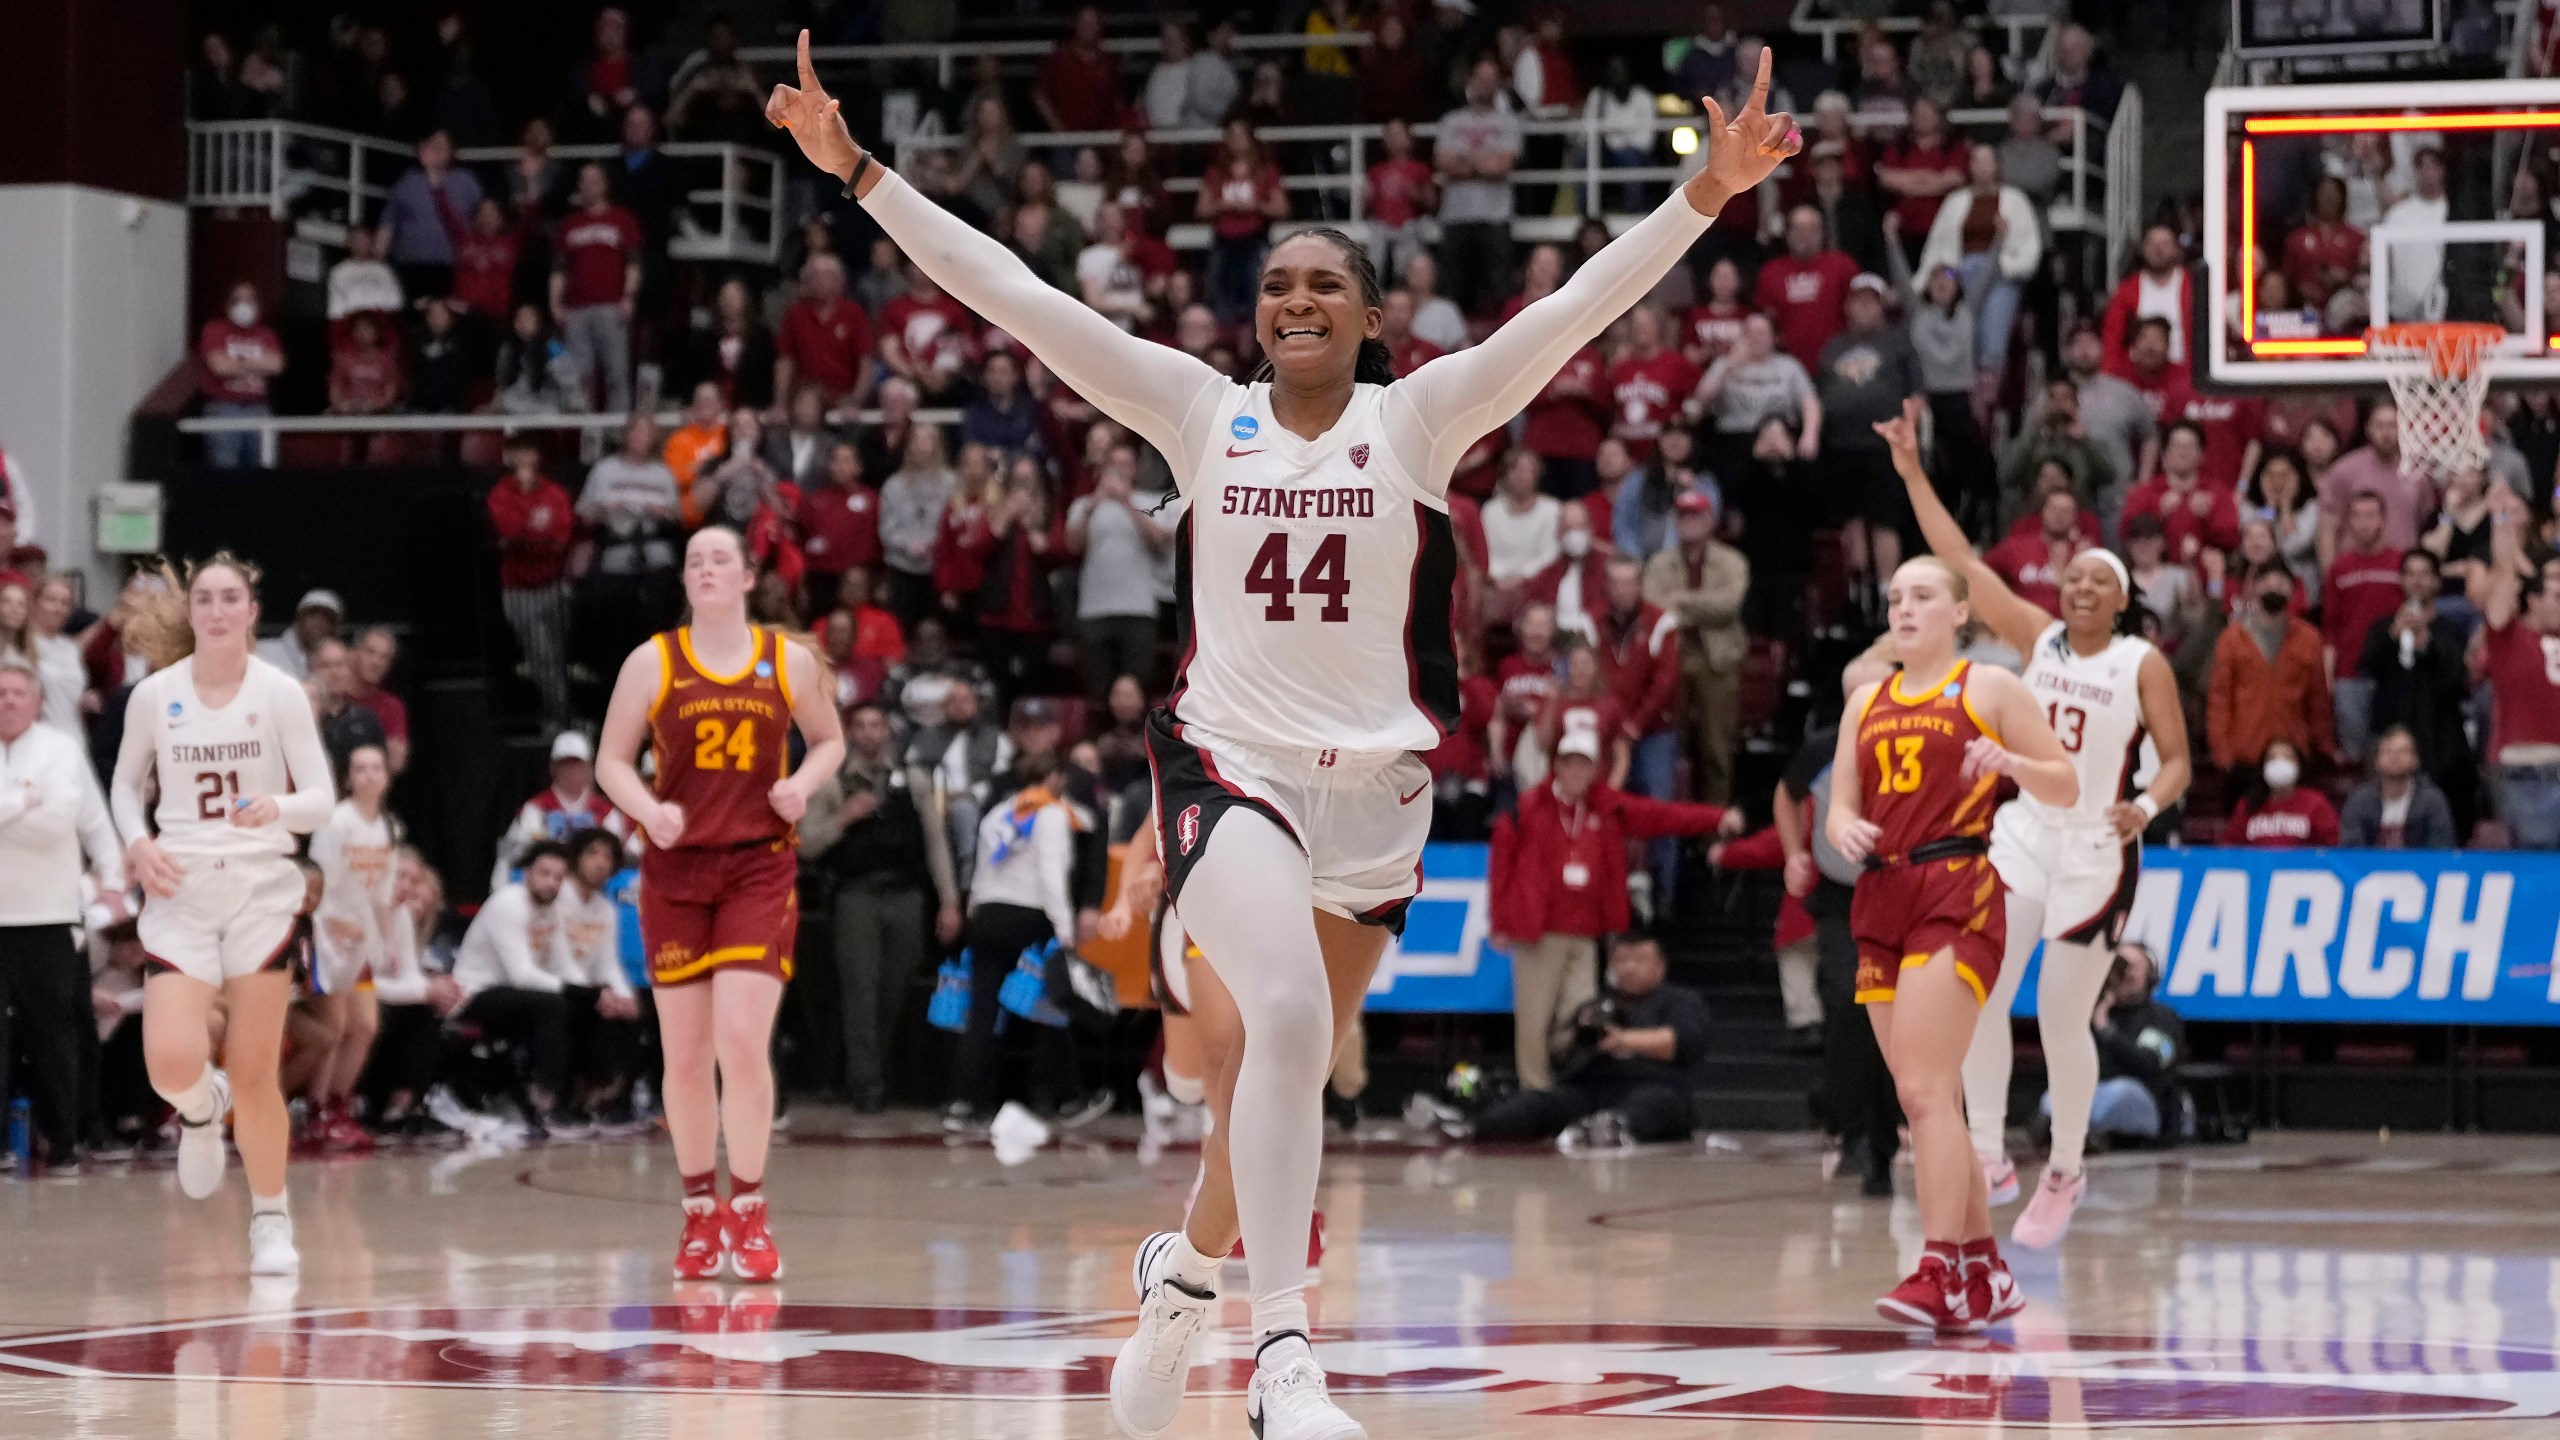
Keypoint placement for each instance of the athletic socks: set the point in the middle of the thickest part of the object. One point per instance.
(702, 1192)
(1977, 1254)
(1279, 1347)
(1196, 1271)
(745, 1194)
(195, 1103)
(267, 1204)
(1281, 1309)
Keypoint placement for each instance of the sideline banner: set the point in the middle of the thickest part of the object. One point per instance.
(2342, 936)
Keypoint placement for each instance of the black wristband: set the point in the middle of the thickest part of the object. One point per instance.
(860, 168)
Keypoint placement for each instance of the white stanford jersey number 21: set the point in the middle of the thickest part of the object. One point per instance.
(1316, 581)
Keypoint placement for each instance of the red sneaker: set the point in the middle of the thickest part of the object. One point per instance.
(1992, 1292)
(1934, 1296)
(344, 1136)
(752, 1255)
(705, 1245)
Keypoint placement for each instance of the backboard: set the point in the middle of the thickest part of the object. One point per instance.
(2274, 155)
(2293, 29)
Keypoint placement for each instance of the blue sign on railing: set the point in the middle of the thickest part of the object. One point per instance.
(2396, 936)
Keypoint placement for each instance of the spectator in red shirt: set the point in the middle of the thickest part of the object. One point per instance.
(825, 338)
(364, 371)
(1638, 646)
(1558, 878)
(2161, 288)
(369, 663)
(613, 79)
(2032, 563)
(839, 522)
(1079, 84)
(535, 521)
(874, 632)
(594, 282)
(2192, 514)
(1526, 678)
(928, 337)
(1401, 191)
(2234, 427)
(2324, 252)
(1239, 198)
(2363, 586)
(1805, 291)
(2147, 369)
(1017, 618)
(2278, 812)
(1714, 325)
(1566, 420)
(484, 268)
(1648, 382)
(2521, 642)
(1583, 701)
(1917, 174)
(240, 354)
(1409, 352)
(1461, 782)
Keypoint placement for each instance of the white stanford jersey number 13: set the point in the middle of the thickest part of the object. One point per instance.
(1315, 580)
(2094, 703)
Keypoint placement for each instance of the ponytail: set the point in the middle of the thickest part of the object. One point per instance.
(156, 626)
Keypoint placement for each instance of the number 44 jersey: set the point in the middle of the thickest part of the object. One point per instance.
(2094, 703)
(722, 741)
(1315, 580)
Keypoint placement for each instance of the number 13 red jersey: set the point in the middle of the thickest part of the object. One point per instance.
(722, 741)
(1911, 765)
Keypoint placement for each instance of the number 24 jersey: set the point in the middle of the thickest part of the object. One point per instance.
(1315, 581)
(722, 741)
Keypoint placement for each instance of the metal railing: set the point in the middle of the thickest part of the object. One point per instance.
(274, 165)
(1829, 29)
(946, 54)
(2124, 180)
(271, 428)
(2091, 138)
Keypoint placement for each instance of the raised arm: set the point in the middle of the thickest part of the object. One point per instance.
(1155, 390)
(1434, 414)
(2016, 621)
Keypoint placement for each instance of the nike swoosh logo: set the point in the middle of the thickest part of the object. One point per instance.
(1235, 454)
(1417, 790)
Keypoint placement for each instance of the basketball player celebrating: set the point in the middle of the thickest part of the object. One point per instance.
(1316, 569)
(231, 747)
(719, 904)
(1928, 748)
(2069, 870)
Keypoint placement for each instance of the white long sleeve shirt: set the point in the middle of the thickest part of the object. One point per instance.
(514, 943)
(358, 911)
(50, 812)
(590, 940)
(1032, 873)
(263, 741)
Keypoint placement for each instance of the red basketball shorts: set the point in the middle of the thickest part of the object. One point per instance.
(1903, 915)
(706, 910)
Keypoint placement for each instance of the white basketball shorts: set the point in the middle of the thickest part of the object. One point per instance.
(231, 917)
(2082, 876)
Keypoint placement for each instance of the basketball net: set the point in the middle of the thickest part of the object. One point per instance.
(2438, 383)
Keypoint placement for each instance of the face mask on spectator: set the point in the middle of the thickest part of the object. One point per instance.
(2281, 772)
(2273, 601)
(243, 314)
(1576, 543)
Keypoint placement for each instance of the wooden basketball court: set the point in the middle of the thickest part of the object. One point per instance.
(2367, 1287)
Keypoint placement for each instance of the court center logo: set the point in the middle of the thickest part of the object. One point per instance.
(1821, 1378)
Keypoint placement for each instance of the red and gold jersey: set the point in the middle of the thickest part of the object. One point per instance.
(722, 741)
(1911, 765)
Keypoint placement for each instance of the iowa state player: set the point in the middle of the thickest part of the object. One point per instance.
(1928, 748)
(2069, 872)
(719, 906)
(1316, 569)
(229, 743)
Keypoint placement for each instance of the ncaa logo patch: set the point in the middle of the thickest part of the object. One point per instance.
(1360, 457)
(176, 709)
(764, 669)
(1244, 427)
(1186, 828)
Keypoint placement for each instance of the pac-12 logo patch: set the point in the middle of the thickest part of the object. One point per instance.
(1359, 457)
(1244, 427)
(1186, 828)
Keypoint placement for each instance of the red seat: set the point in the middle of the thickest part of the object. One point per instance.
(314, 452)
(392, 448)
(485, 448)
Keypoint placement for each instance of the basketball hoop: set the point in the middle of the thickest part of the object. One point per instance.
(2438, 383)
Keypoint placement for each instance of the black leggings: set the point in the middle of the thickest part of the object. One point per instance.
(998, 934)
(44, 1006)
(1654, 1110)
(405, 1052)
(536, 1022)
(1858, 1104)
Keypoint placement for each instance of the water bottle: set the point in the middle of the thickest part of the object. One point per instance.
(22, 1135)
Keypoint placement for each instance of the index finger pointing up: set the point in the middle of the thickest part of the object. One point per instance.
(1759, 87)
(809, 72)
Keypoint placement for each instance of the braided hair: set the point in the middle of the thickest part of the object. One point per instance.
(1376, 365)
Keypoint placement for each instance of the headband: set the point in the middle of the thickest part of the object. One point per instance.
(2124, 577)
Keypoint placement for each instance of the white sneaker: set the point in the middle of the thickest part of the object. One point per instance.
(202, 1152)
(1288, 1402)
(271, 1249)
(1154, 1366)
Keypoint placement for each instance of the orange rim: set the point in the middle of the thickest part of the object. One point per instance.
(2452, 347)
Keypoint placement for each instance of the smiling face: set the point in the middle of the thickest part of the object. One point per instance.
(2092, 597)
(716, 573)
(1313, 313)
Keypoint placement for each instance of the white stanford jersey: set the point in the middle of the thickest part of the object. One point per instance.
(2094, 703)
(207, 759)
(1315, 579)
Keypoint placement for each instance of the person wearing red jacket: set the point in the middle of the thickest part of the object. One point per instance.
(2193, 515)
(2161, 286)
(839, 521)
(1558, 879)
(535, 521)
(1638, 645)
